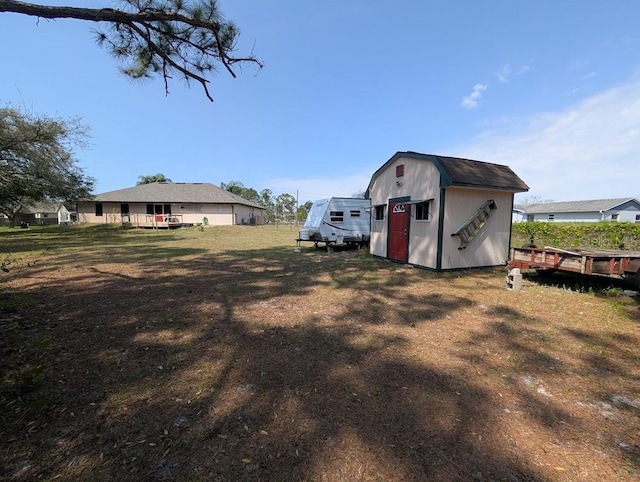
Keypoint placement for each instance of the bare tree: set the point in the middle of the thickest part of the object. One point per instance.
(189, 38)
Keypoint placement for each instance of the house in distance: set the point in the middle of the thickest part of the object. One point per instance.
(170, 204)
(589, 211)
(441, 212)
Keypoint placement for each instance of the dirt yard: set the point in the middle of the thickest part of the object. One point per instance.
(222, 354)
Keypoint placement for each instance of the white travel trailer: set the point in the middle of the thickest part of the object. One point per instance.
(338, 221)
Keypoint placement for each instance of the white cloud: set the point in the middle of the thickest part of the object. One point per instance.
(590, 150)
(471, 101)
(504, 74)
(523, 69)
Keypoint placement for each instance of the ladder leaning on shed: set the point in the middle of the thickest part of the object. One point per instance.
(472, 226)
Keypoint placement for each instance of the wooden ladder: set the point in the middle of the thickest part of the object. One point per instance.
(472, 226)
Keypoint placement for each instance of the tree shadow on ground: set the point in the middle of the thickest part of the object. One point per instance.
(252, 365)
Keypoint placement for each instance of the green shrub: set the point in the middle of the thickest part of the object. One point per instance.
(603, 235)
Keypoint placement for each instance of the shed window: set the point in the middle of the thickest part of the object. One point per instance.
(400, 170)
(380, 212)
(422, 211)
(355, 213)
(336, 216)
(98, 209)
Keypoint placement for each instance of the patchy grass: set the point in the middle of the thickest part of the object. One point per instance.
(221, 354)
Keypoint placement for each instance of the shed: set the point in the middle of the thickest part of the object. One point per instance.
(441, 212)
(45, 212)
(625, 209)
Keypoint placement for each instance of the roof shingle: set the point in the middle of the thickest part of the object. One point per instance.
(590, 206)
(173, 192)
(457, 171)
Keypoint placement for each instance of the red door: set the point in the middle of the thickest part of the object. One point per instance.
(398, 232)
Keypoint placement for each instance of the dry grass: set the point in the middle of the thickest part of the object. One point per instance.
(224, 355)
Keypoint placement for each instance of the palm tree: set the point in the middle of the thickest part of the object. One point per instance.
(150, 179)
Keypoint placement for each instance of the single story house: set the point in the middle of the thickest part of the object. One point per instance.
(170, 204)
(518, 214)
(442, 212)
(591, 211)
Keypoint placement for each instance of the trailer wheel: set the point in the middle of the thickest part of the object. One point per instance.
(633, 280)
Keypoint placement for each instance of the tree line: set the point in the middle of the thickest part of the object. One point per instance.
(38, 163)
(283, 207)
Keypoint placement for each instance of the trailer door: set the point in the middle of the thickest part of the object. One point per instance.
(398, 245)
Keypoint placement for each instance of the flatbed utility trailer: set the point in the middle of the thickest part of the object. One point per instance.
(616, 263)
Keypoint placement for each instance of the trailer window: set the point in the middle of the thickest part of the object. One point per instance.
(380, 212)
(336, 216)
(422, 211)
(355, 214)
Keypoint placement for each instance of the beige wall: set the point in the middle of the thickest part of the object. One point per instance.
(491, 246)
(187, 213)
(421, 181)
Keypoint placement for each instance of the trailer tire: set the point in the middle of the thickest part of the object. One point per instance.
(633, 280)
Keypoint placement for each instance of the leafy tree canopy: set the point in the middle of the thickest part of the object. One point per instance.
(189, 39)
(149, 179)
(37, 161)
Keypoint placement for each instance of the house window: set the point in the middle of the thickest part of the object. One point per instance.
(355, 213)
(124, 208)
(400, 170)
(150, 209)
(614, 217)
(637, 218)
(336, 216)
(422, 211)
(98, 209)
(194, 209)
(380, 212)
(552, 217)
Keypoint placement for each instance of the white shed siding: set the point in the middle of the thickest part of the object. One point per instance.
(490, 247)
(420, 181)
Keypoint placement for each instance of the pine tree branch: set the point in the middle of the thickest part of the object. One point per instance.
(216, 45)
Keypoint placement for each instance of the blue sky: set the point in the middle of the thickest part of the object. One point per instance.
(550, 88)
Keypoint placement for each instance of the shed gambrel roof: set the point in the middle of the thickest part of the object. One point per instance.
(589, 206)
(455, 171)
(174, 192)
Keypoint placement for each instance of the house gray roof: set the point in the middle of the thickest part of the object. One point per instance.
(42, 207)
(174, 192)
(589, 206)
(461, 172)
